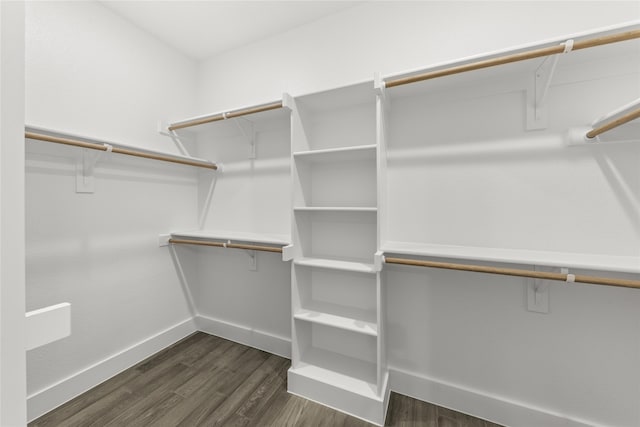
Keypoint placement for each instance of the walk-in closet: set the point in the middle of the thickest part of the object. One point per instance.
(341, 213)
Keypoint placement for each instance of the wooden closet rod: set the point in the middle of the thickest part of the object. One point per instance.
(225, 245)
(608, 281)
(229, 115)
(530, 54)
(614, 123)
(118, 150)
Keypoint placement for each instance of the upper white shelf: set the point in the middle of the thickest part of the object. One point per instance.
(275, 109)
(72, 139)
(343, 154)
(236, 236)
(627, 264)
(524, 64)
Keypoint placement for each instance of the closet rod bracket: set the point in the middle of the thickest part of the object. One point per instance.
(163, 129)
(85, 167)
(537, 91)
(537, 94)
(253, 260)
(537, 294)
(247, 129)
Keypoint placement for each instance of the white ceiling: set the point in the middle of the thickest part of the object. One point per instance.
(202, 29)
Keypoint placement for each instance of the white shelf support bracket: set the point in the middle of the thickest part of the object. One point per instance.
(85, 167)
(163, 127)
(247, 129)
(378, 260)
(253, 260)
(287, 253)
(537, 295)
(537, 112)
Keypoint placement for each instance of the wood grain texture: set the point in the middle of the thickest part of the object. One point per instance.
(119, 150)
(205, 380)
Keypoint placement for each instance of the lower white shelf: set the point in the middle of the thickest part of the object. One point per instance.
(348, 373)
(336, 264)
(353, 324)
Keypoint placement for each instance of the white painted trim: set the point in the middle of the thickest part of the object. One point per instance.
(477, 403)
(47, 324)
(43, 401)
(262, 340)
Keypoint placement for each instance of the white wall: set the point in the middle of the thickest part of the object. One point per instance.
(12, 276)
(251, 195)
(92, 73)
(389, 37)
(460, 339)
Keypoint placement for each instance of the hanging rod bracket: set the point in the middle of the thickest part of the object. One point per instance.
(85, 167)
(537, 294)
(248, 131)
(537, 111)
(253, 260)
(163, 129)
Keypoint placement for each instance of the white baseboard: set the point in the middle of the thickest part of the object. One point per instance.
(476, 403)
(241, 334)
(43, 401)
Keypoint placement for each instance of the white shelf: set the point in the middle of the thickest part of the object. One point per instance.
(353, 324)
(281, 112)
(273, 239)
(342, 154)
(627, 264)
(97, 140)
(357, 266)
(334, 209)
(575, 57)
(348, 373)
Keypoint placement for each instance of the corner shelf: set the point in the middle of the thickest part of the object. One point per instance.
(625, 264)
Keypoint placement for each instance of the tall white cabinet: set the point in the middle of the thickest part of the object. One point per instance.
(337, 330)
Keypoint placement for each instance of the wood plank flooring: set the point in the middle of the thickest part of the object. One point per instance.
(209, 381)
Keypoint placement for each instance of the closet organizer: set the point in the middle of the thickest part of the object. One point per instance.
(484, 164)
(52, 323)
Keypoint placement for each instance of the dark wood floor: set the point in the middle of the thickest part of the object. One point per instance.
(207, 381)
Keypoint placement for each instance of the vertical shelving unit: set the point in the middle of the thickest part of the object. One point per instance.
(337, 335)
